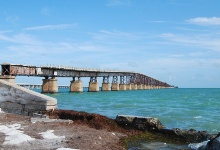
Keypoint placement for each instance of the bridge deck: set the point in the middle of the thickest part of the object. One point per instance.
(51, 71)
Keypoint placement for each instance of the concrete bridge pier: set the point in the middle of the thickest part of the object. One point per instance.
(49, 85)
(153, 87)
(93, 84)
(115, 85)
(122, 85)
(8, 78)
(147, 87)
(106, 84)
(133, 82)
(134, 86)
(128, 86)
(139, 86)
(128, 83)
(76, 85)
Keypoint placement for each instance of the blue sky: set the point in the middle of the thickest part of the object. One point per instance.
(176, 41)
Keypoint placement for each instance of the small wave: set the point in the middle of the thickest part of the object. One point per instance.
(196, 117)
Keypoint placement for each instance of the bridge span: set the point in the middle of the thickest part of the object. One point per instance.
(121, 80)
(39, 86)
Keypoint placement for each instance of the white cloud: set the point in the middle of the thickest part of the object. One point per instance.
(51, 27)
(19, 38)
(12, 19)
(157, 21)
(207, 41)
(83, 46)
(205, 21)
(45, 11)
(119, 3)
(115, 35)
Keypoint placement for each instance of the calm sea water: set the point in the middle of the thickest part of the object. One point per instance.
(175, 108)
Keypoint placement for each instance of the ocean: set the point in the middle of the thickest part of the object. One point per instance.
(184, 108)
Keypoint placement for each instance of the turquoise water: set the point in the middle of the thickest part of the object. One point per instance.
(175, 108)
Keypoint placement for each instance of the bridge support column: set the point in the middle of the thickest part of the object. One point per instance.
(128, 82)
(139, 86)
(147, 87)
(153, 87)
(106, 87)
(122, 85)
(49, 85)
(93, 85)
(128, 86)
(76, 85)
(8, 78)
(134, 86)
(115, 85)
(144, 86)
(106, 84)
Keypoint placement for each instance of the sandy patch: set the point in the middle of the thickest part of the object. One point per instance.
(14, 135)
(50, 135)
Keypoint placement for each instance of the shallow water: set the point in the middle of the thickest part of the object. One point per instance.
(176, 108)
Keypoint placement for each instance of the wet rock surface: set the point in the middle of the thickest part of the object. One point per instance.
(212, 144)
(187, 135)
(139, 123)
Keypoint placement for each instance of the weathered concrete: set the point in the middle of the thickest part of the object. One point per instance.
(93, 87)
(144, 86)
(128, 86)
(139, 87)
(50, 86)
(115, 86)
(122, 87)
(19, 100)
(152, 87)
(8, 78)
(134, 86)
(106, 87)
(76, 86)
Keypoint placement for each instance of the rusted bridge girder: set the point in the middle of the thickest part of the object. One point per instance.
(51, 71)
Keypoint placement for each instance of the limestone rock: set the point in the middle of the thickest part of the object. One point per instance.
(187, 135)
(139, 122)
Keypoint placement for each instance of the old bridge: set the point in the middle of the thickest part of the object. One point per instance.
(121, 80)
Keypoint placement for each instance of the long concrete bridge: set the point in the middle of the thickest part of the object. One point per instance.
(121, 80)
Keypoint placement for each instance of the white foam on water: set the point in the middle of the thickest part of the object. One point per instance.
(50, 135)
(196, 146)
(154, 145)
(14, 135)
(197, 117)
(1, 111)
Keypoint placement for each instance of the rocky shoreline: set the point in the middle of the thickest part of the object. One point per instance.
(80, 130)
(136, 128)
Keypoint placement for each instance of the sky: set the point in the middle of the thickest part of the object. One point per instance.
(174, 41)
